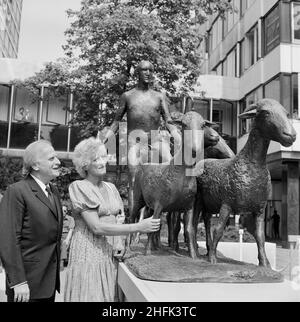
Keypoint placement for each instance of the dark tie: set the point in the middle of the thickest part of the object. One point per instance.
(50, 197)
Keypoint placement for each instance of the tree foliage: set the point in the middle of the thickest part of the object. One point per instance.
(110, 37)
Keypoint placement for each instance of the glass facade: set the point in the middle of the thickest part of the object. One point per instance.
(296, 22)
(282, 88)
(272, 29)
(24, 120)
(4, 108)
(10, 21)
(24, 128)
(54, 121)
(258, 41)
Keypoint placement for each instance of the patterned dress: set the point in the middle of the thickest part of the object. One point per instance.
(91, 274)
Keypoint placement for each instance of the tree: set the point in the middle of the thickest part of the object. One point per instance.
(113, 36)
(110, 37)
(62, 77)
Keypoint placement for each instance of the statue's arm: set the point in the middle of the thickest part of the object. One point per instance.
(169, 122)
(165, 110)
(118, 117)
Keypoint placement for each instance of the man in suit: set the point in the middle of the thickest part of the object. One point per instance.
(31, 228)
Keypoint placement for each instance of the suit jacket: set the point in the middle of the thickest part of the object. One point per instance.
(30, 238)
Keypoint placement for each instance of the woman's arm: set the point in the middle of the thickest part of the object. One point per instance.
(91, 218)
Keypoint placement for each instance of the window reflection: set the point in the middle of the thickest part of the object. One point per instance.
(296, 22)
(25, 119)
(54, 120)
(4, 107)
(75, 138)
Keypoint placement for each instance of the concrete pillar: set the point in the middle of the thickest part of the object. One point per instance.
(290, 223)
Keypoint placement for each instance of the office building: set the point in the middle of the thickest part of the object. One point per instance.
(253, 54)
(10, 22)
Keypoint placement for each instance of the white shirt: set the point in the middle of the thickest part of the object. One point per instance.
(41, 184)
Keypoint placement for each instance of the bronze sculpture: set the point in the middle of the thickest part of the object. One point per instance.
(144, 108)
(219, 151)
(241, 185)
(166, 187)
(216, 146)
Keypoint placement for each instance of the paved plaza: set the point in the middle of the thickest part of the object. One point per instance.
(283, 258)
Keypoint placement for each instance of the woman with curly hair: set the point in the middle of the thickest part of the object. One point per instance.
(97, 207)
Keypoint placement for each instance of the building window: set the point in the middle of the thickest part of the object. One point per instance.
(272, 30)
(215, 34)
(24, 121)
(286, 92)
(295, 88)
(75, 130)
(231, 18)
(296, 22)
(252, 46)
(4, 113)
(244, 5)
(230, 64)
(253, 97)
(248, 50)
(27, 123)
(54, 120)
(202, 107)
(218, 119)
(272, 89)
(219, 69)
(242, 57)
(284, 89)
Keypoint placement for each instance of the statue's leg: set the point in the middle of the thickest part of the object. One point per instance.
(156, 242)
(171, 218)
(133, 166)
(225, 212)
(185, 237)
(197, 210)
(190, 233)
(259, 236)
(207, 223)
(170, 228)
(174, 229)
(157, 213)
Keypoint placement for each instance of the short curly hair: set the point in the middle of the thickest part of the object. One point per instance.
(85, 152)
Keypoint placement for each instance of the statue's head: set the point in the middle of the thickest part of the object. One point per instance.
(271, 120)
(145, 71)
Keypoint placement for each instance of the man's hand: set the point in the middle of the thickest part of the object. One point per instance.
(22, 293)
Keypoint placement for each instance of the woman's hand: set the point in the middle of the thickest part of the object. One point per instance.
(149, 225)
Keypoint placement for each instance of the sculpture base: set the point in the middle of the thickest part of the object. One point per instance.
(165, 265)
